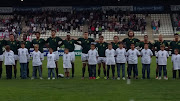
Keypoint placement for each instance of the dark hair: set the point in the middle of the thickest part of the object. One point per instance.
(116, 36)
(145, 36)
(92, 44)
(176, 34)
(101, 36)
(85, 32)
(132, 44)
(53, 30)
(22, 43)
(129, 32)
(25, 35)
(11, 34)
(37, 33)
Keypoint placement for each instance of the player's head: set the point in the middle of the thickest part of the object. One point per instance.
(85, 35)
(176, 51)
(132, 46)
(101, 38)
(145, 37)
(53, 32)
(176, 36)
(36, 47)
(11, 37)
(68, 36)
(93, 46)
(116, 38)
(50, 50)
(37, 35)
(24, 37)
(130, 34)
(22, 44)
(160, 37)
(146, 45)
(7, 47)
(109, 46)
(120, 45)
(162, 47)
(66, 51)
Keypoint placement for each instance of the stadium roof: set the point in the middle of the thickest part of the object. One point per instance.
(86, 2)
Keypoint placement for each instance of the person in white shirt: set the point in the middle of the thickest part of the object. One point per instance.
(36, 62)
(8, 61)
(92, 61)
(176, 63)
(121, 60)
(146, 55)
(110, 60)
(132, 57)
(162, 56)
(23, 57)
(67, 59)
(51, 65)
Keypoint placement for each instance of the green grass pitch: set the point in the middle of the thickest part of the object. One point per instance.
(90, 90)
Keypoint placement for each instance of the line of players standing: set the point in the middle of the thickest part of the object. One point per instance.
(54, 42)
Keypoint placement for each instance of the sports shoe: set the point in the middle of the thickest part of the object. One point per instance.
(98, 78)
(159, 78)
(49, 78)
(40, 78)
(118, 78)
(124, 78)
(53, 78)
(32, 78)
(105, 77)
(94, 78)
(165, 78)
(82, 78)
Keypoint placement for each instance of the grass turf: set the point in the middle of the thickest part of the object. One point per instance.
(90, 90)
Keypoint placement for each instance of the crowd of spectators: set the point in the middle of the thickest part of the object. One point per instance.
(96, 20)
(155, 24)
(177, 22)
(10, 24)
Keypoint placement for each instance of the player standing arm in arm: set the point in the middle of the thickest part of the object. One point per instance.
(115, 43)
(157, 45)
(69, 44)
(146, 55)
(133, 55)
(28, 46)
(14, 46)
(121, 60)
(85, 44)
(146, 41)
(40, 42)
(162, 56)
(101, 46)
(8, 61)
(110, 60)
(53, 42)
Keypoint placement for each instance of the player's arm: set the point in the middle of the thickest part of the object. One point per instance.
(167, 46)
(47, 43)
(62, 43)
(77, 41)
